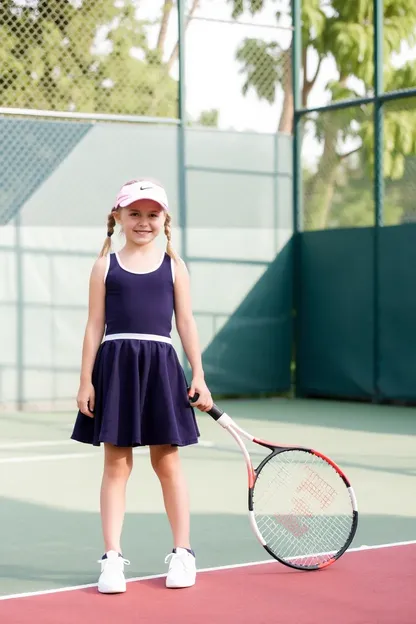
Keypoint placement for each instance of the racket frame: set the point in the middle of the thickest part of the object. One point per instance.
(237, 432)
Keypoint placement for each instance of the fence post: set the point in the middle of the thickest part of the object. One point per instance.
(20, 374)
(182, 208)
(378, 182)
(181, 142)
(296, 183)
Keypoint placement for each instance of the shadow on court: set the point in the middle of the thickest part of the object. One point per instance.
(348, 416)
(319, 413)
(47, 548)
(233, 454)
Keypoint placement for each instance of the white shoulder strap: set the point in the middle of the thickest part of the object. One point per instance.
(107, 267)
(172, 268)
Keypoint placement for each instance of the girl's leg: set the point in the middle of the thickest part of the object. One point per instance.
(166, 463)
(118, 463)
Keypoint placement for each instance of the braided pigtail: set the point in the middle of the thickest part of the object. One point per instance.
(168, 233)
(111, 224)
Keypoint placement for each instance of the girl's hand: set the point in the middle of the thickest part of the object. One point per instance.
(86, 399)
(204, 402)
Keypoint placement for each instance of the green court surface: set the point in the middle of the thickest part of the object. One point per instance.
(49, 488)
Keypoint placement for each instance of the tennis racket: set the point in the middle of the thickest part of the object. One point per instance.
(301, 506)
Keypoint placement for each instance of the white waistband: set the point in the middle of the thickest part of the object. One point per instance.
(137, 337)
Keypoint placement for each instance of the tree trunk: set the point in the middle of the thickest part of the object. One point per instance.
(320, 190)
(175, 50)
(328, 196)
(167, 9)
(286, 118)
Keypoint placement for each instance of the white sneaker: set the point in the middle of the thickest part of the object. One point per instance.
(112, 579)
(182, 569)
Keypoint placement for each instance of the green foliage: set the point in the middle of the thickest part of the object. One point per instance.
(262, 64)
(239, 6)
(209, 118)
(403, 191)
(51, 59)
(343, 31)
(353, 201)
(314, 21)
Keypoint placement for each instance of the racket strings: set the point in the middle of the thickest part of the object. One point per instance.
(319, 544)
(302, 508)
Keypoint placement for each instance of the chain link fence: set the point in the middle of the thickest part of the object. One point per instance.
(31, 150)
(336, 169)
(120, 57)
(355, 132)
(58, 178)
(243, 82)
(100, 56)
(339, 105)
(90, 98)
(400, 161)
(338, 163)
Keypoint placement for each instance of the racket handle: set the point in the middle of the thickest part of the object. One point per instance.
(215, 412)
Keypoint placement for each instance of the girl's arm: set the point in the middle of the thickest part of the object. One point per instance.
(187, 330)
(92, 337)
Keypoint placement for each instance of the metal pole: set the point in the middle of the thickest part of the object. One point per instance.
(378, 181)
(276, 192)
(181, 130)
(296, 183)
(181, 146)
(20, 388)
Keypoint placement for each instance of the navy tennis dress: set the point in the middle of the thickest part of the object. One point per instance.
(141, 395)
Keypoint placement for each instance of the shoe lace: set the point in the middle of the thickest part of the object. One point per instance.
(177, 558)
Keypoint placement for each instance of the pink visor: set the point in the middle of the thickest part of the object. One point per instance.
(144, 189)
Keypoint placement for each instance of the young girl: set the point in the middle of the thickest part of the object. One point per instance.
(133, 390)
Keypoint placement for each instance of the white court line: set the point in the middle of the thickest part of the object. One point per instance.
(42, 458)
(214, 569)
(93, 453)
(9, 446)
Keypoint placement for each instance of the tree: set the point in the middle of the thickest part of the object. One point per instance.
(90, 56)
(209, 118)
(343, 31)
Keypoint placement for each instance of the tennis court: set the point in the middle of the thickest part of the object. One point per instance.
(52, 535)
(288, 153)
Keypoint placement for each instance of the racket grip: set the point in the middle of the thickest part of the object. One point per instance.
(215, 412)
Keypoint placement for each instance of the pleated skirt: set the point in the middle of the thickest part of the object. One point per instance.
(141, 397)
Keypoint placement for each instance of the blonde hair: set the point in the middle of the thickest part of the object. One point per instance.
(168, 233)
(111, 224)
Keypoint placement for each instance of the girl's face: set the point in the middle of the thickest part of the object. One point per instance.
(141, 221)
